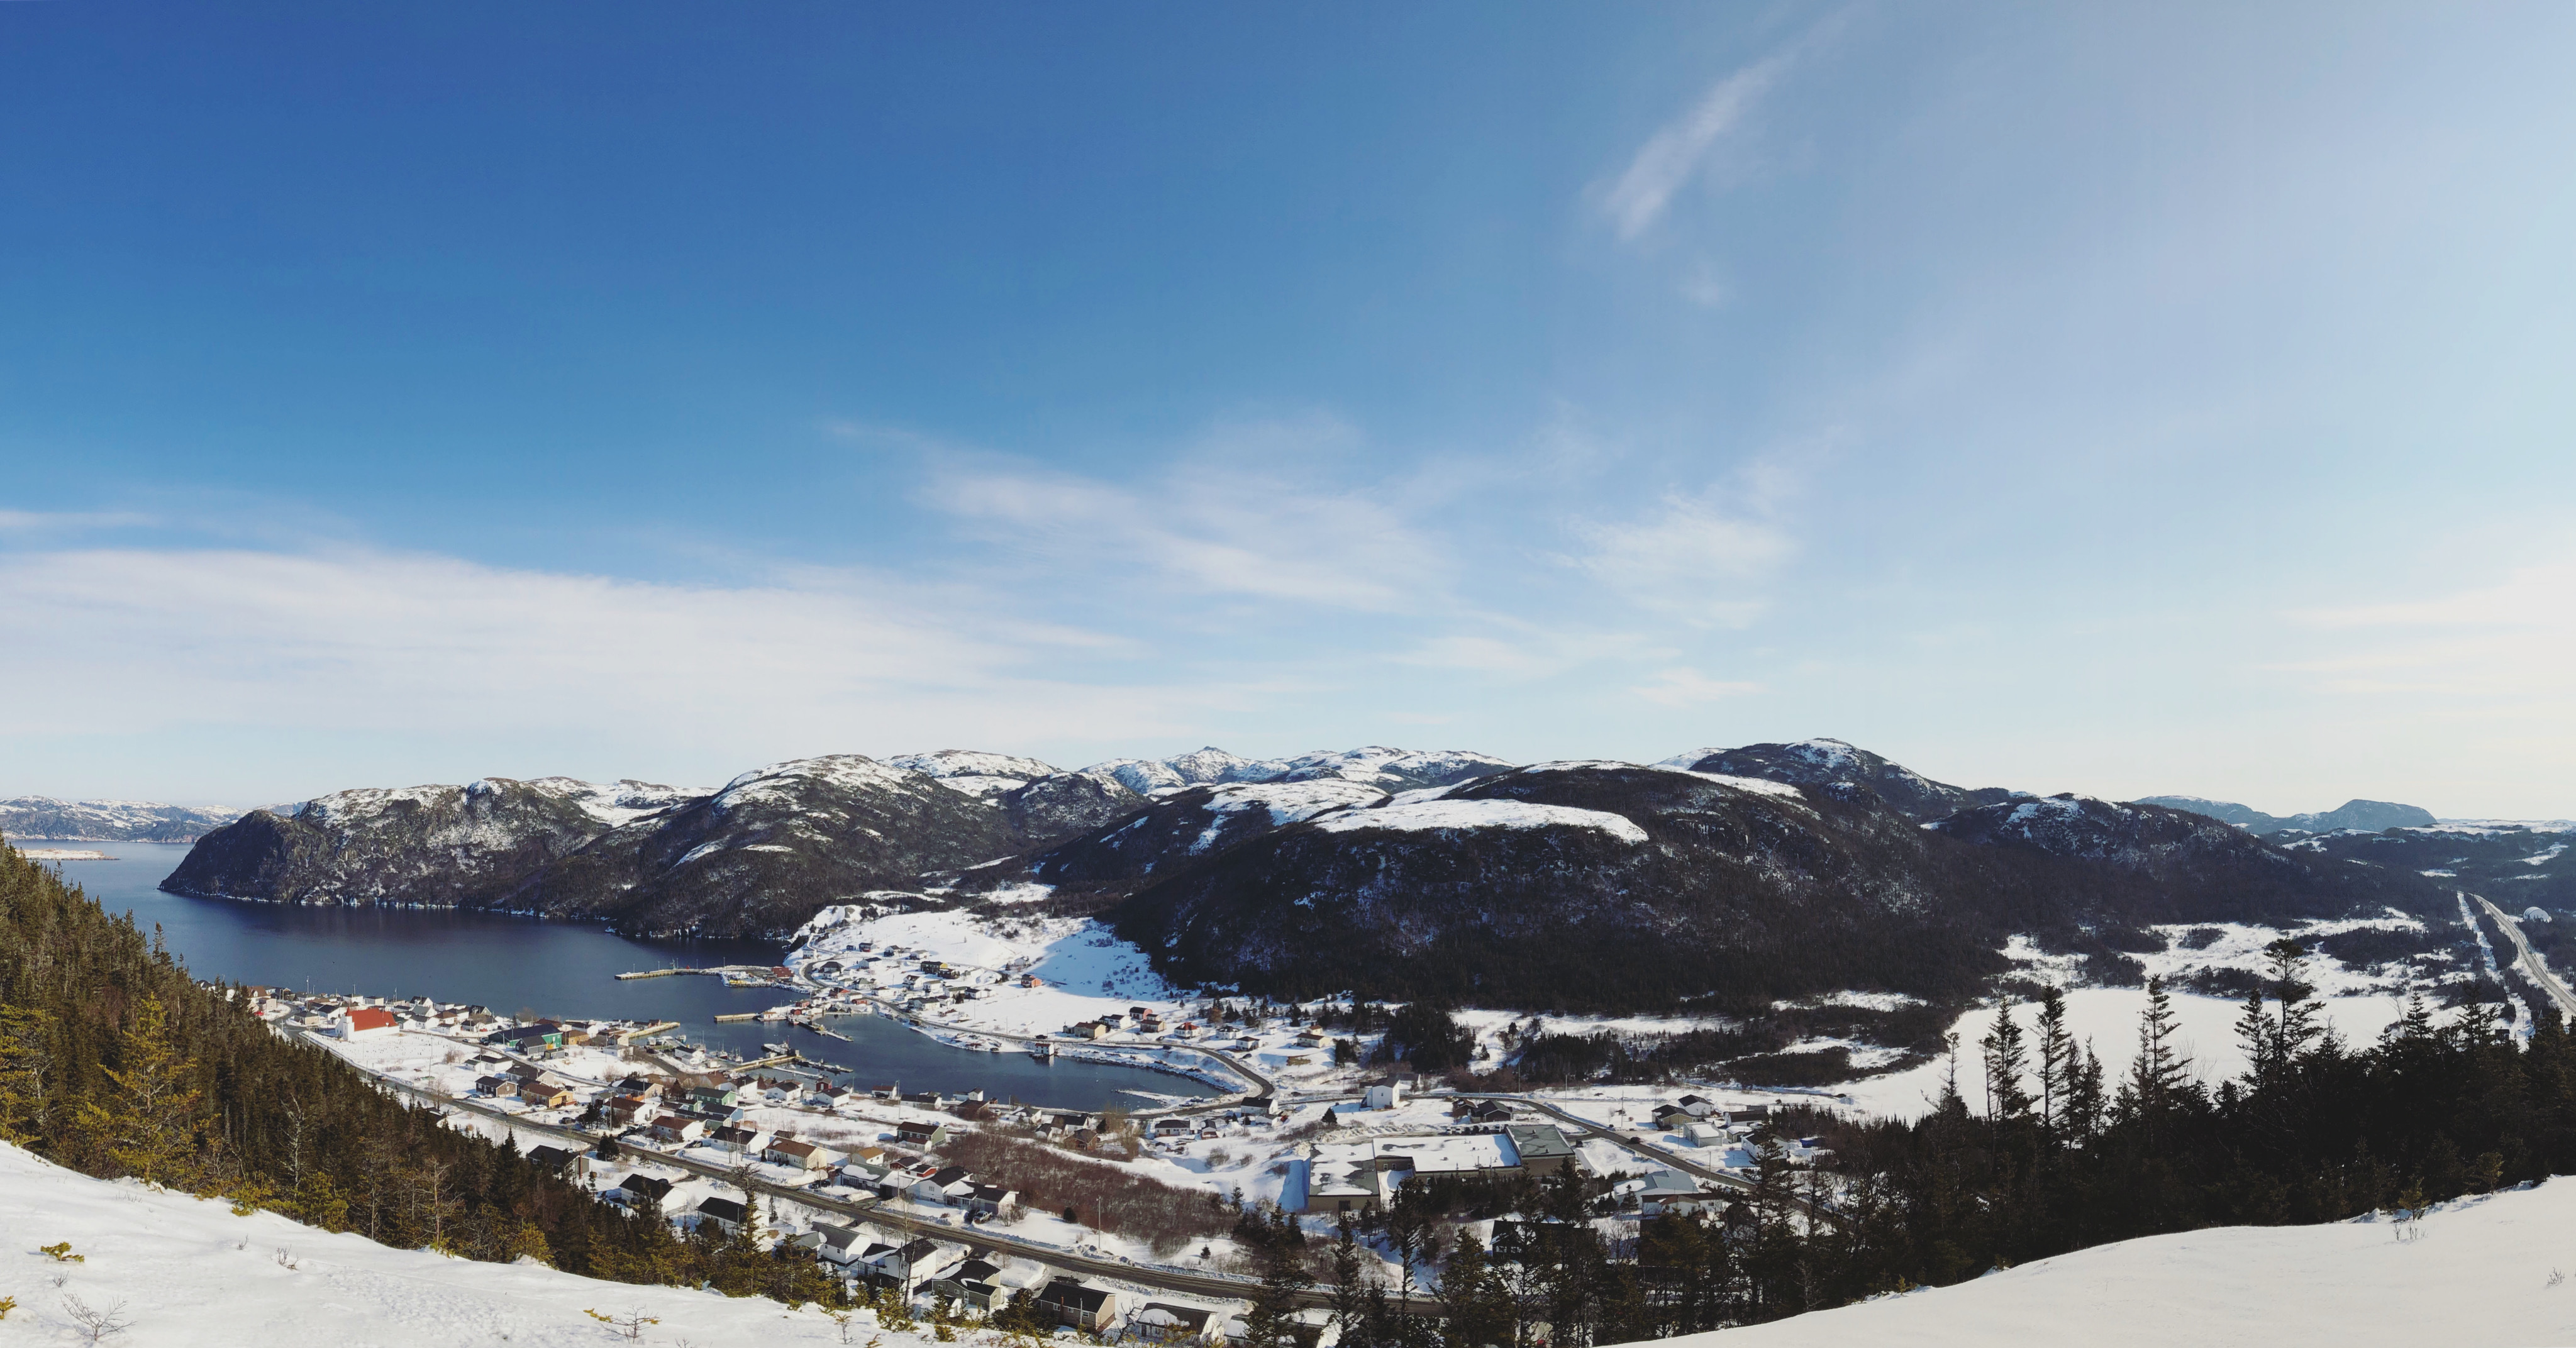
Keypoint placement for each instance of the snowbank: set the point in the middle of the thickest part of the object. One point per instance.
(192, 1275)
(2483, 1271)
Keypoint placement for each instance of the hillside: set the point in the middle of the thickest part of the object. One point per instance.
(456, 846)
(187, 1271)
(2479, 1271)
(1611, 887)
(107, 820)
(1829, 762)
(2372, 815)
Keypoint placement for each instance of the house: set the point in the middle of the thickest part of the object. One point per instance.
(541, 1037)
(948, 1184)
(842, 1245)
(1163, 1322)
(1382, 1097)
(913, 1262)
(971, 1283)
(713, 1099)
(673, 1128)
(499, 1088)
(549, 1158)
(912, 1133)
(1673, 1118)
(992, 1200)
(555, 1096)
(1700, 1107)
(1171, 1126)
(623, 1109)
(1668, 1193)
(1542, 1147)
(800, 1155)
(642, 1088)
(367, 1022)
(736, 1138)
(639, 1187)
(727, 1214)
(1705, 1135)
(1089, 1309)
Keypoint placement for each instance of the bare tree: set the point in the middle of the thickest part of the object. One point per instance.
(97, 1324)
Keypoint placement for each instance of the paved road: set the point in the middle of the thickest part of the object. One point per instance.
(2532, 968)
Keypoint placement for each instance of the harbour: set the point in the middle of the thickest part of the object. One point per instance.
(719, 999)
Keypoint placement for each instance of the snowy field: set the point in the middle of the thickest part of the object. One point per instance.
(2484, 1271)
(189, 1274)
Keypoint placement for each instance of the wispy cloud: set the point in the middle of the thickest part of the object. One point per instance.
(1638, 197)
(1238, 520)
(352, 640)
(1681, 687)
(1693, 556)
(2511, 643)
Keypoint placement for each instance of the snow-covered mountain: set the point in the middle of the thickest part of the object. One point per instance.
(1824, 762)
(1384, 768)
(107, 820)
(1614, 886)
(975, 772)
(447, 846)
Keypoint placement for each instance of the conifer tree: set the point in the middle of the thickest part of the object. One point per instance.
(2006, 1097)
(26, 1073)
(148, 1124)
(2057, 1061)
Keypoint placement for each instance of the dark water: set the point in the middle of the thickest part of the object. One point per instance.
(519, 965)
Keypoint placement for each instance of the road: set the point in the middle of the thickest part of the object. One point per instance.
(2532, 968)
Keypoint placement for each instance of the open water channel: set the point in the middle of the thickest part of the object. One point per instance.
(531, 967)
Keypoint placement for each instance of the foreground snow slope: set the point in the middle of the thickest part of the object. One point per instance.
(2481, 1272)
(191, 1274)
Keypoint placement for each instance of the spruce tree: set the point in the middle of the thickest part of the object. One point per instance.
(2006, 1097)
(2057, 1062)
(147, 1125)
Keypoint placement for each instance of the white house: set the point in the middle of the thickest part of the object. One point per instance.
(367, 1022)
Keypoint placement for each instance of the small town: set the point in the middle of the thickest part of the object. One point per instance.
(1118, 1225)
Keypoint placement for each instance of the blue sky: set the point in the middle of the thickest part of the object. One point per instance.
(2072, 398)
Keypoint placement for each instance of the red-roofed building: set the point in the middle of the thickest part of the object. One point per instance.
(367, 1022)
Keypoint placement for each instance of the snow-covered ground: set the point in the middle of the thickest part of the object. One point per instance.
(190, 1274)
(2108, 1017)
(2483, 1271)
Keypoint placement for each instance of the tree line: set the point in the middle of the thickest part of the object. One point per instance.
(2052, 1154)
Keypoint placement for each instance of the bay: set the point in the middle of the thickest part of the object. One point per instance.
(524, 966)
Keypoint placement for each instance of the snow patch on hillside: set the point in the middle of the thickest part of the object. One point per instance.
(187, 1271)
(1443, 815)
